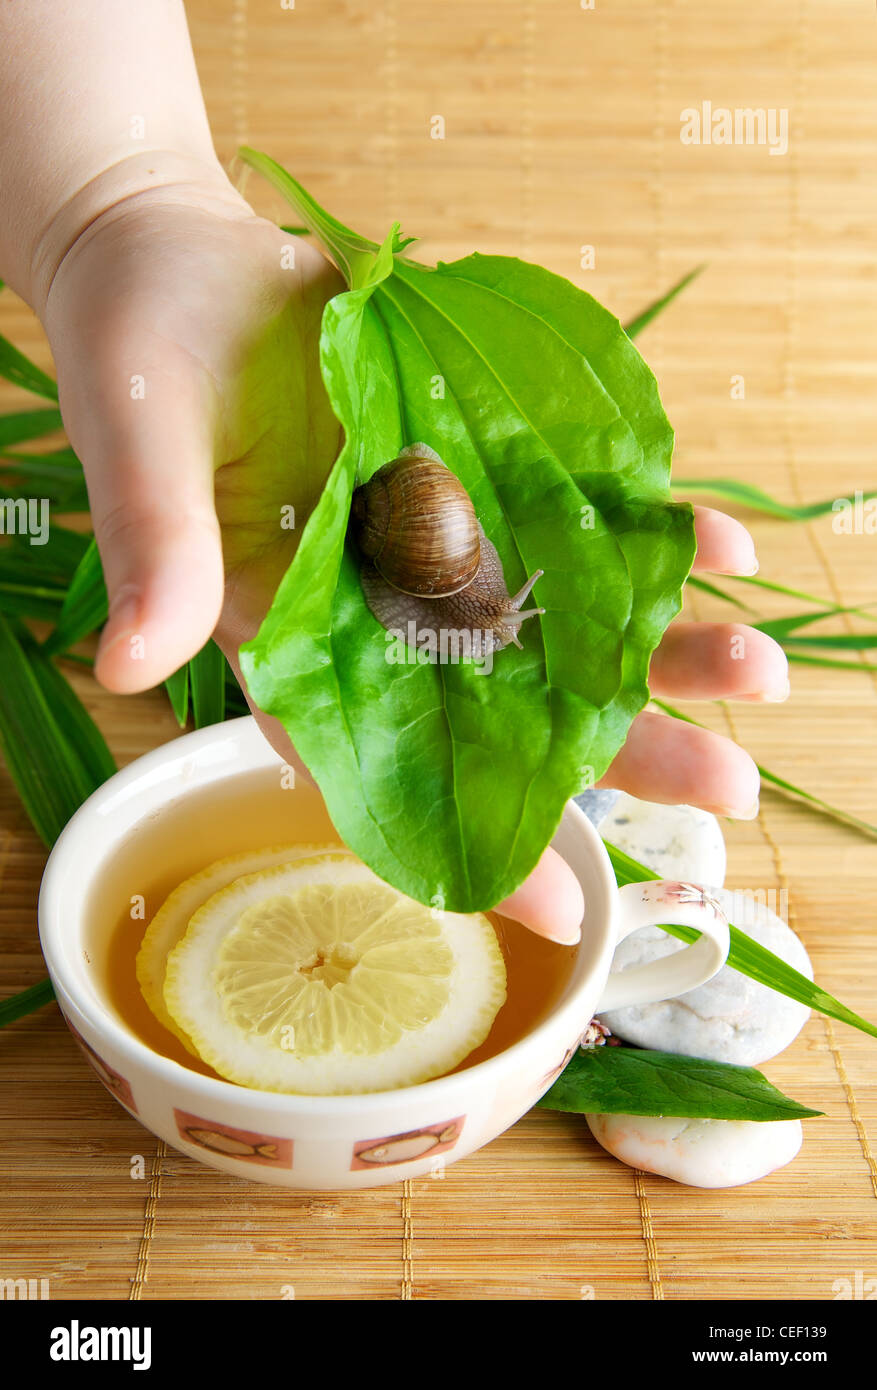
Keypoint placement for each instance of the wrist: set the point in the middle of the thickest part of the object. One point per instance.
(143, 179)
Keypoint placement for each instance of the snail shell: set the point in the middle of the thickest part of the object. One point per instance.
(416, 523)
(427, 559)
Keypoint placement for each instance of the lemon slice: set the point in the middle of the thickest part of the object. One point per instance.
(169, 924)
(318, 978)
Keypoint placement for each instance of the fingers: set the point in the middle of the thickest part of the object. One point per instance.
(668, 761)
(142, 426)
(713, 661)
(550, 902)
(724, 546)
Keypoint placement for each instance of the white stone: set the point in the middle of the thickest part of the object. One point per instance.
(701, 1153)
(678, 842)
(729, 1019)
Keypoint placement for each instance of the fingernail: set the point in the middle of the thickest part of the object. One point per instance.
(750, 814)
(770, 697)
(571, 937)
(123, 616)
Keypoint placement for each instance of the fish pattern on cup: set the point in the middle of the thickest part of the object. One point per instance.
(405, 1148)
(243, 1144)
(113, 1080)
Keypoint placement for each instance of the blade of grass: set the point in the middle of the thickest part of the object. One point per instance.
(804, 659)
(709, 588)
(746, 495)
(15, 367)
(207, 677)
(177, 687)
(783, 785)
(28, 424)
(799, 593)
(747, 956)
(51, 746)
(85, 606)
(636, 325)
(26, 1002)
(31, 601)
(56, 476)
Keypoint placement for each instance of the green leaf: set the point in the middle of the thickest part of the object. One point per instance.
(28, 424)
(805, 660)
(636, 326)
(732, 490)
(707, 587)
(57, 476)
(26, 1002)
(15, 367)
(177, 687)
(423, 766)
(85, 607)
(747, 956)
(207, 677)
(781, 628)
(54, 752)
(785, 786)
(632, 1081)
(31, 600)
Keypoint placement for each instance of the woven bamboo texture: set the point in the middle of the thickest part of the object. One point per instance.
(562, 130)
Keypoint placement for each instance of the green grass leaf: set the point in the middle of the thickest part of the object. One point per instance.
(31, 600)
(207, 678)
(805, 660)
(15, 367)
(747, 956)
(633, 1081)
(27, 424)
(27, 1001)
(746, 495)
(409, 757)
(706, 586)
(57, 476)
(636, 325)
(85, 606)
(55, 754)
(177, 687)
(783, 785)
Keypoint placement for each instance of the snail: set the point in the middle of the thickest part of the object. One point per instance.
(427, 559)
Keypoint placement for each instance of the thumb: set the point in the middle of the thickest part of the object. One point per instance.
(145, 437)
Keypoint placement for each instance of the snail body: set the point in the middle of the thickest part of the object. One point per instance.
(426, 557)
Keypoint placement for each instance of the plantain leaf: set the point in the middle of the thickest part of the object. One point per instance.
(747, 956)
(85, 606)
(537, 400)
(636, 326)
(207, 678)
(732, 490)
(635, 1081)
(54, 752)
(15, 367)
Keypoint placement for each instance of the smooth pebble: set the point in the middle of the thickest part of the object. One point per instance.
(677, 842)
(729, 1019)
(700, 1153)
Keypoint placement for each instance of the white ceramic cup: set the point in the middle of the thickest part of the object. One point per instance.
(334, 1142)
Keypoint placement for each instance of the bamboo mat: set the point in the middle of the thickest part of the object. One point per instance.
(562, 130)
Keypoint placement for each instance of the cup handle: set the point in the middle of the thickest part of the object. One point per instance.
(682, 904)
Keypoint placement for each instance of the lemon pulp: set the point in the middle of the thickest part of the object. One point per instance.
(314, 976)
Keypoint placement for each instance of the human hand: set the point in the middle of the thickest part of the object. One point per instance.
(191, 294)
